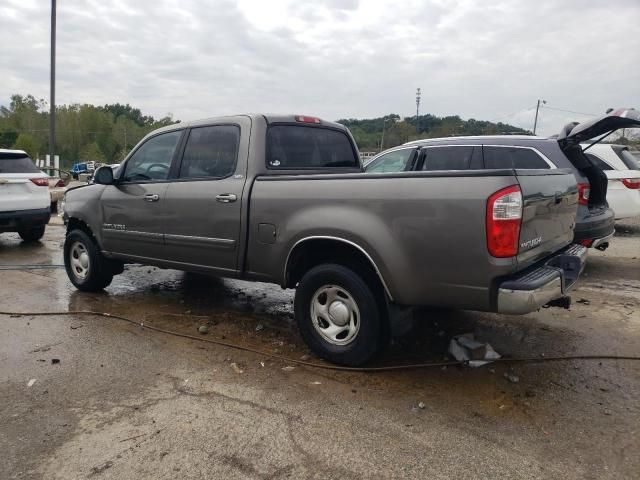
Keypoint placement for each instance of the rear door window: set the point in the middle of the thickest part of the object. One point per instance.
(512, 157)
(210, 152)
(17, 163)
(396, 161)
(598, 162)
(295, 147)
(451, 158)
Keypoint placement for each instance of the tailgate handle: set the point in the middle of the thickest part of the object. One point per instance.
(226, 198)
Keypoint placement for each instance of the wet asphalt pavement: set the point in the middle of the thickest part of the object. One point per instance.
(87, 397)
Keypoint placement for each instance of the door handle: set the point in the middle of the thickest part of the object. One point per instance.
(152, 197)
(226, 197)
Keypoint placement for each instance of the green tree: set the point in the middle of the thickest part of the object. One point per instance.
(92, 153)
(27, 143)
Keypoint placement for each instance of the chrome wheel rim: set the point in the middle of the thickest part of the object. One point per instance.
(79, 260)
(335, 315)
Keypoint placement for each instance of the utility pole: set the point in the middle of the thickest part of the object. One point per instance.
(52, 99)
(384, 121)
(535, 122)
(418, 94)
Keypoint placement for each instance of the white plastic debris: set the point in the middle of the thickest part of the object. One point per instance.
(31, 382)
(465, 348)
(236, 368)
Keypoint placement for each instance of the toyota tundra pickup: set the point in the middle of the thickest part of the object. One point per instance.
(284, 199)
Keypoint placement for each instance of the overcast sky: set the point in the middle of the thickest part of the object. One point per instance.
(331, 58)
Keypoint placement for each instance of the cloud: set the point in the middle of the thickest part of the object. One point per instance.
(333, 58)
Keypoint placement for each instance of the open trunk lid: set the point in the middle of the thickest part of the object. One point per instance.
(575, 133)
(550, 203)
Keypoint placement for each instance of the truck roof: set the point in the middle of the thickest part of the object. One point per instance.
(269, 117)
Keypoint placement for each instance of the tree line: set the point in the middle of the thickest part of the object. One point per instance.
(392, 130)
(107, 133)
(83, 132)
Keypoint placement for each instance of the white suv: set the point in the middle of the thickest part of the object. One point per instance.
(621, 165)
(24, 196)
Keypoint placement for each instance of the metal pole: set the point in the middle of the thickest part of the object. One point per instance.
(535, 122)
(52, 100)
(382, 139)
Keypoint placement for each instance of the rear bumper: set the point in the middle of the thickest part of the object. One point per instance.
(594, 226)
(535, 287)
(23, 219)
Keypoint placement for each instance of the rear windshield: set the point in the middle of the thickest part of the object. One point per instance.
(298, 147)
(630, 158)
(17, 163)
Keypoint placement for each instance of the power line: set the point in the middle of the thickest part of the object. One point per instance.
(570, 111)
(512, 114)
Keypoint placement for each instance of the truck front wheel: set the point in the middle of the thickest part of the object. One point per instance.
(87, 269)
(339, 316)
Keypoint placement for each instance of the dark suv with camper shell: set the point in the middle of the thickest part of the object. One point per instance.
(595, 220)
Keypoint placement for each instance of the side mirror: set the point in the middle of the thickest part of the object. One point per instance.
(104, 176)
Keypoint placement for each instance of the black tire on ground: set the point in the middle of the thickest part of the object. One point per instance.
(87, 269)
(32, 235)
(346, 286)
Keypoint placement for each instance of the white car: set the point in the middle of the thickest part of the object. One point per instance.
(24, 196)
(622, 167)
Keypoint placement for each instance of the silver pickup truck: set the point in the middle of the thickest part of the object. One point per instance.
(283, 199)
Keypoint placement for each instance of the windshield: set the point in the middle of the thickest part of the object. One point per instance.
(17, 163)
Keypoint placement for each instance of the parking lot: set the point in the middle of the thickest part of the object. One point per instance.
(89, 397)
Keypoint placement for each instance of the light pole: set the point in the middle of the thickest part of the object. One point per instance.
(384, 122)
(535, 122)
(52, 99)
(418, 94)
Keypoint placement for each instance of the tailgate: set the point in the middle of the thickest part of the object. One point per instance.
(550, 204)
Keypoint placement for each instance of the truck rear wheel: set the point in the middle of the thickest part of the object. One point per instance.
(87, 269)
(339, 316)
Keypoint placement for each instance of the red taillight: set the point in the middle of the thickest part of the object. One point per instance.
(41, 182)
(583, 193)
(60, 183)
(306, 119)
(632, 183)
(504, 217)
(586, 243)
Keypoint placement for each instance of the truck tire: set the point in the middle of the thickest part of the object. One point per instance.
(87, 269)
(32, 234)
(339, 316)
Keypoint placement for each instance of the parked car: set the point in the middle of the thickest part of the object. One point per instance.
(58, 182)
(595, 220)
(24, 196)
(284, 199)
(622, 167)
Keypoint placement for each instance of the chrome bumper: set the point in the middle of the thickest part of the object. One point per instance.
(537, 287)
(602, 243)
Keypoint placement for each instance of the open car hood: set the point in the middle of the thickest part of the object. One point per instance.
(575, 133)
